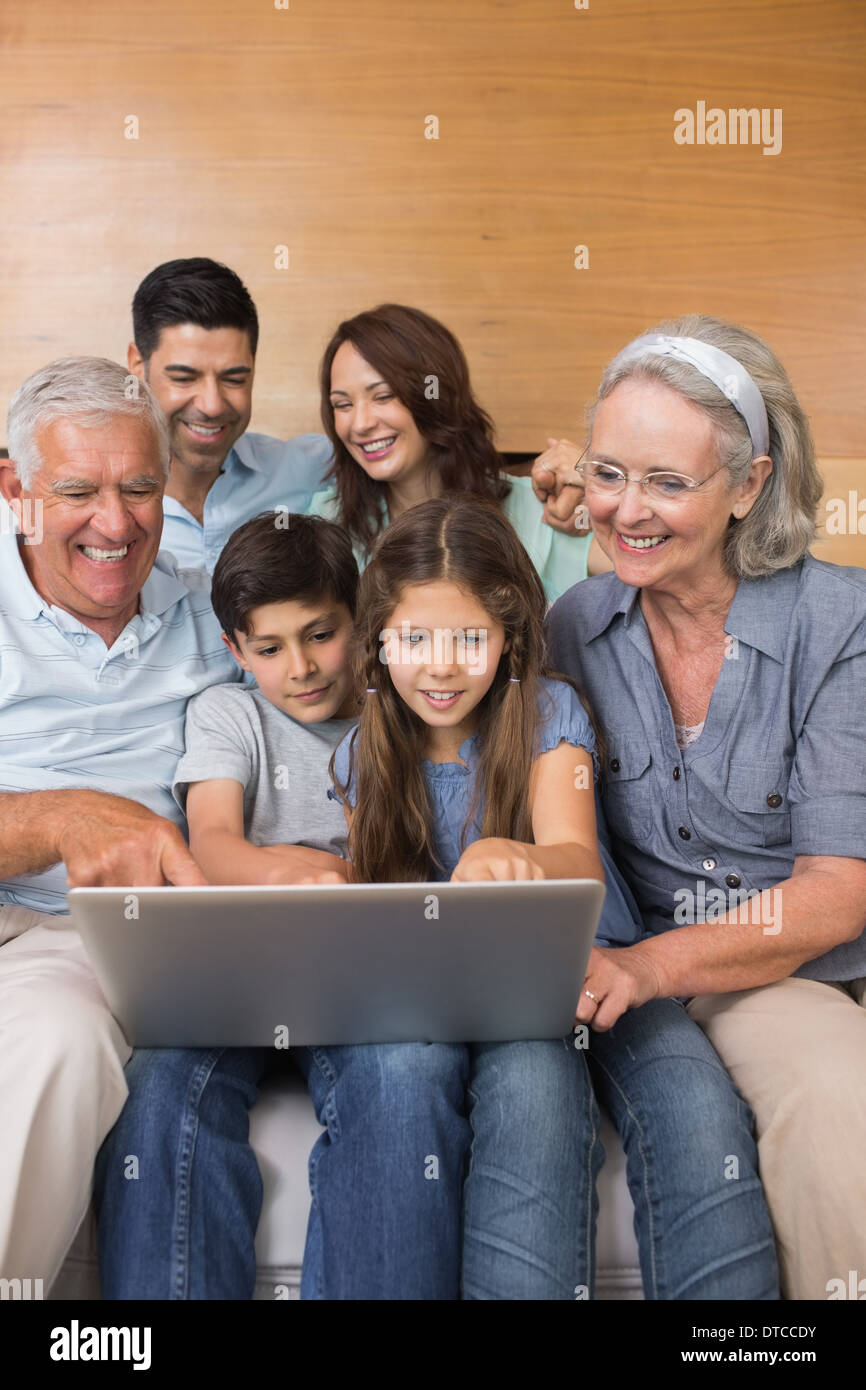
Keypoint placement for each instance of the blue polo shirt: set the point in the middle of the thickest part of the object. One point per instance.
(76, 714)
(779, 769)
(260, 474)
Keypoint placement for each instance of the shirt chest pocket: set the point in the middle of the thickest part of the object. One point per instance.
(627, 794)
(757, 792)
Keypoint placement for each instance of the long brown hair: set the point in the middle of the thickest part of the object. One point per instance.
(468, 543)
(425, 367)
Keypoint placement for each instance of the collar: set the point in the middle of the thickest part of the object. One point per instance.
(241, 456)
(159, 592)
(163, 587)
(612, 597)
(19, 598)
(760, 614)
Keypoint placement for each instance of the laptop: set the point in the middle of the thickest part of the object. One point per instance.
(329, 964)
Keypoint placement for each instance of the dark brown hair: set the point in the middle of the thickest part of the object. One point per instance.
(280, 556)
(468, 543)
(424, 366)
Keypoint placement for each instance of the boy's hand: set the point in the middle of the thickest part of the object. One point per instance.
(496, 859)
(300, 864)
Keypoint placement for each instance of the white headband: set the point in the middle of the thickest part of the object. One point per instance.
(718, 367)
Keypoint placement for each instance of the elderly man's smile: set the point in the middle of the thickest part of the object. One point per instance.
(105, 556)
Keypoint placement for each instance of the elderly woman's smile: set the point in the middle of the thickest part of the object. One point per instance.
(644, 428)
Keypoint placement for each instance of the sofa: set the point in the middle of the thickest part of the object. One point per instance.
(283, 1129)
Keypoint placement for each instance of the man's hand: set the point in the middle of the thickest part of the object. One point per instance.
(621, 978)
(108, 841)
(555, 483)
(496, 859)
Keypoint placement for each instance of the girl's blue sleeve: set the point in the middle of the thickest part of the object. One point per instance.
(566, 720)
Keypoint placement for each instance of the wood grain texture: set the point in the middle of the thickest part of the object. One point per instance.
(261, 127)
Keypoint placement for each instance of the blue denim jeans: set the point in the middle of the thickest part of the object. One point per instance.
(444, 1170)
(177, 1187)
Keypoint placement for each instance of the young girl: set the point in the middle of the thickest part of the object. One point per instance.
(398, 406)
(472, 762)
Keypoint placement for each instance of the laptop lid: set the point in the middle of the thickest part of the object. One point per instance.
(333, 964)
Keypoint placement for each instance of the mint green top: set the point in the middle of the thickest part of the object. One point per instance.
(560, 560)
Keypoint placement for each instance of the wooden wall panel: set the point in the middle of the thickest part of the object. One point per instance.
(305, 127)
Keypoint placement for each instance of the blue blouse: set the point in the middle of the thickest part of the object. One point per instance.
(779, 769)
(451, 785)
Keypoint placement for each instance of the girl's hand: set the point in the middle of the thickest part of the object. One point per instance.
(620, 979)
(496, 859)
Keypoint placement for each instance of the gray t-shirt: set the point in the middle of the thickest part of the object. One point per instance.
(233, 732)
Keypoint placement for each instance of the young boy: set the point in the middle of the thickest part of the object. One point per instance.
(254, 778)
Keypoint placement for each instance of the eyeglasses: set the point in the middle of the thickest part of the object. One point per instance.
(605, 479)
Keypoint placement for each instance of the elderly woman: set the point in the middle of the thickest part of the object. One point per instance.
(728, 668)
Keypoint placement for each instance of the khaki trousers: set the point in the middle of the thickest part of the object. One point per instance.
(796, 1051)
(61, 1089)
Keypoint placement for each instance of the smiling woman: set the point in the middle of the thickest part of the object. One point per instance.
(398, 406)
(728, 669)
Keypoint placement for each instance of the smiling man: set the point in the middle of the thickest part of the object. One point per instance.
(102, 644)
(196, 333)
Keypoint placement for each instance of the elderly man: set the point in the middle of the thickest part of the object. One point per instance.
(102, 643)
(196, 332)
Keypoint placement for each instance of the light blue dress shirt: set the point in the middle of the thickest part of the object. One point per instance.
(779, 769)
(260, 474)
(75, 714)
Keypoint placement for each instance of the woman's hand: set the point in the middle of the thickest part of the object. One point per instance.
(555, 483)
(616, 980)
(496, 859)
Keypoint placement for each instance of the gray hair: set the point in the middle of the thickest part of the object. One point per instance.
(781, 525)
(89, 390)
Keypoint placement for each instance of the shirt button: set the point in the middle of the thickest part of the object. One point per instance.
(676, 774)
(684, 834)
(708, 864)
(774, 799)
(614, 764)
(79, 639)
(732, 880)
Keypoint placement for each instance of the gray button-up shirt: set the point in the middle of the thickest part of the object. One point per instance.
(779, 769)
